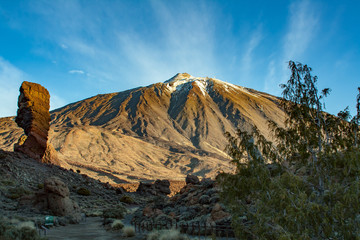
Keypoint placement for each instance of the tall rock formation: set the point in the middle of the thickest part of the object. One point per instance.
(34, 117)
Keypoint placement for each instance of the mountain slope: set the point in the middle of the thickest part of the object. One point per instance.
(165, 130)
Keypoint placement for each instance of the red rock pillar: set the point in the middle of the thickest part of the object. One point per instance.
(34, 117)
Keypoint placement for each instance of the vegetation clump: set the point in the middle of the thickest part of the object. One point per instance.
(84, 191)
(115, 213)
(17, 192)
(168, 234)
(10, 230)
(127, 199)
(301, 187)
(117, 225)
(129, 231)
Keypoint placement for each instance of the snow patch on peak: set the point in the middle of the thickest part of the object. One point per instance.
(202, 85)
(180, 80)
(231, 87)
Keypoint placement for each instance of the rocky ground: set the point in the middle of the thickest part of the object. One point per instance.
(197, 203)
(23, 181)
(21, 176)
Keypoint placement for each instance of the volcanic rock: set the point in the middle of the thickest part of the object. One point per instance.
(194, 204)
(217, 213)
(54, 197)
(192, 179)
(34, 117)
(160, 187)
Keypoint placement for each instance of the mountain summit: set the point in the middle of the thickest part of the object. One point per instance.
(165, 130)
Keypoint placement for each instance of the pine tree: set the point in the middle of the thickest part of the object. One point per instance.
(301, 186)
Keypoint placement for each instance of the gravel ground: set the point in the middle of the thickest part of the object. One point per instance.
(92, 229)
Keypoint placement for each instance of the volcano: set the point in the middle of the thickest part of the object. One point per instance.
(165, 130)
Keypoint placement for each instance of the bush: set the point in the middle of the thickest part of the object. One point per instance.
(40, 186)
(116, 213)
(129, 231)
(17, 192)
(169, 234)
(127, 199)
(6, 182)
(117, 225)
(83, 191)
(23, 231)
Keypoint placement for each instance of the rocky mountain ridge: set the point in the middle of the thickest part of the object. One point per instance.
(165, 130)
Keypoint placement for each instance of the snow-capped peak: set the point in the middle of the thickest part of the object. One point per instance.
(181, 82)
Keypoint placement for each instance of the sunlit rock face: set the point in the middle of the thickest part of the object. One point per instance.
(166, 130)
(34, 117)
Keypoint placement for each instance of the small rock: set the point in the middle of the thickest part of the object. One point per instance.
(204, 199)
(192, 179)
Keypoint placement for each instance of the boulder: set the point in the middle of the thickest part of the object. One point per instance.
(54, 197)
(162, 186)
(146, 188)
(55, 186)
(159, 188)
(192, 179)
(217, 213)
(34, 117)
(204, 199)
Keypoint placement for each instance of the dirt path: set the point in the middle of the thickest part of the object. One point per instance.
(92, 229)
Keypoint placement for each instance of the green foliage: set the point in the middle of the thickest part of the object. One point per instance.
(83, 191)
(301, 187)
(6, 182)
(127, 199)
(168, 234)
(128, 231)
(17, 192)
(117, 225)
(9, 231)
(116, 212)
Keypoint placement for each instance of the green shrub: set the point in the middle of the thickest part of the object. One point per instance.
(6, 182)
(40, 186)
(168, 234)
(116, 213)
(129, 231)
(23, 231)
(117, 225)
(17, 192)
(127, 199)
(83, 191)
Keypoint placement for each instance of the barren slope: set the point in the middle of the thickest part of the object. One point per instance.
(165, 130)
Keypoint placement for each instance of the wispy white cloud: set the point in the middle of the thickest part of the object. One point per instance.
(119, 48)
(75, 71)
(303, 23)
(185, 46)
(63, 46)
(10, 81)
(247, 63)
(271, 76)
(56, 102)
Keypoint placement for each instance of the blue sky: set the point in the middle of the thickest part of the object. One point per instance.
(78, 49)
